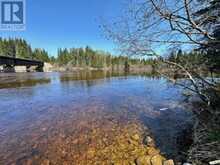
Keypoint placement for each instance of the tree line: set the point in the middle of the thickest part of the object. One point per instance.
(87, 57)
(19, 48)
(201, 59)
(76, 57)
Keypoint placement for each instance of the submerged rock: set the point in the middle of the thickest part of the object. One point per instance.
(149, 141)
(29, 162)
(45, 162)
(132, 142)
(135, 137)
(143, 160)
(132, 163)
(152, 151)
(157, 160)
(91, 153)
(168, 162)
(152, 160)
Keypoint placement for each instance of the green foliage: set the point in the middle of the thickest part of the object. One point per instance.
(87, 57)
(41, 55)
(15, 48)
(197, 59)
(188, 60)
(19, 48)
(7, 47)
(76, 57)
(211, 23)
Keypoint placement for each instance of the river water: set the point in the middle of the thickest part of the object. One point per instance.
(76, 118)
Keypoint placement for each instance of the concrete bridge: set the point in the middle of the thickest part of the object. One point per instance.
(11, 64)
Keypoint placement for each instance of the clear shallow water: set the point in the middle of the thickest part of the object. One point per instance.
(49, 116)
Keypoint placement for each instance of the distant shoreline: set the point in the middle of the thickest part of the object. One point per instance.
(145, 68)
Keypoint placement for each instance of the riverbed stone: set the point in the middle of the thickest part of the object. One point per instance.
(152, 151)
(133, 142)
(91, 152)
(149, 141)
(168, 162)
(135, 137)
(121, 162)
(132, 163)
(143, 160)
(29, 162)
(157, 160)
(45, 162)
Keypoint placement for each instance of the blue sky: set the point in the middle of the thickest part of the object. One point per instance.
(67, 23)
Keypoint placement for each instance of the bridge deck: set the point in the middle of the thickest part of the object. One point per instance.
(4, 60)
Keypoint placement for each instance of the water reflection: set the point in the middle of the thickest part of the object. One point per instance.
(87, 77)
(21, 80)
(24, 83)
(80, 117)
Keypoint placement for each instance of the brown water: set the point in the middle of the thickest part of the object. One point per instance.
(86, 117)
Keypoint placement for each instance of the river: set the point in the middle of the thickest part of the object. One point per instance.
(59, 118)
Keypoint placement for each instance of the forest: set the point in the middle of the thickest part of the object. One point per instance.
(76, 57)
(19, 48)
(87, 57)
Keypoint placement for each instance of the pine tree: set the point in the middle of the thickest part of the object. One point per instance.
(209, 15)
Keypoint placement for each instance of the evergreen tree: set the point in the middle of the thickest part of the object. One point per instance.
(209, 15)
(41, 55)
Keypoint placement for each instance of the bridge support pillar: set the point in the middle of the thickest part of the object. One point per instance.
(47, 67)
(20, 69)
(1, 68)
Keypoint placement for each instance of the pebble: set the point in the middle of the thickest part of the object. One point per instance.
(29, 162)
(132, 163)
(168, 162)
(45, 162)
(157, 160)
(149, 141)
(152, 151)
(135, 137)
(133, 142)
(91, 152)
(143, 160)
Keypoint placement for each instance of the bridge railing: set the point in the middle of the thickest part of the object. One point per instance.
(5, 60)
